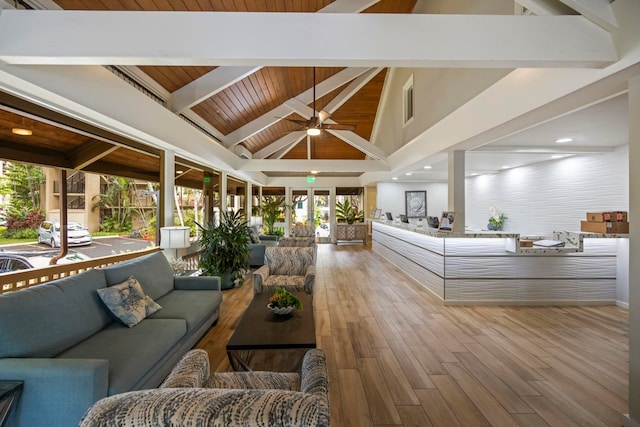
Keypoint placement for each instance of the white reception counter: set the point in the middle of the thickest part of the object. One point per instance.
(491, 268)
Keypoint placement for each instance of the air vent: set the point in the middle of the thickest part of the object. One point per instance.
(241, 151)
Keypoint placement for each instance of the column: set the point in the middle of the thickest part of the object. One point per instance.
(456, 188)
(167, 190)
(633, 418)
(223, 193)
(248, 201)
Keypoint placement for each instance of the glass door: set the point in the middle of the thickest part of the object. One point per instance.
(322, 215)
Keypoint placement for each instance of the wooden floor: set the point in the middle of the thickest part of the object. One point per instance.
(398, 357)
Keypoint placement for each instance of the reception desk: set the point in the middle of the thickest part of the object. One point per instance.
(491, 268)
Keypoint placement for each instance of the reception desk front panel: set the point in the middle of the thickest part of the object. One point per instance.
(478, 269)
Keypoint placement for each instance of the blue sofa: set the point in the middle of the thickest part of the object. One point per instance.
(60, 339)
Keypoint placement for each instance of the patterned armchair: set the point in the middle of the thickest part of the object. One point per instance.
(190, 396)
(292, 268)
(301, 236)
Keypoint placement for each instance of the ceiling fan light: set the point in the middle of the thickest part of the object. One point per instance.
(313, 131)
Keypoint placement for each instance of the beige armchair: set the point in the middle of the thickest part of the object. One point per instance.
(292, 268)
(301, 236)
(190, 396)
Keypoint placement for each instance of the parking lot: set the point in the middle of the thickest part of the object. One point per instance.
(101, 246)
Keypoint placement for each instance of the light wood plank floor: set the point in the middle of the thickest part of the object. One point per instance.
(398, 357)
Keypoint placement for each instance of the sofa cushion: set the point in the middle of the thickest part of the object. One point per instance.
(127, 301)
(131, 352)
(153, 271)
(45, 320)
(253, 234)
(193, 306)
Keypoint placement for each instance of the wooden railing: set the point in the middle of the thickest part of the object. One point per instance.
(34, 276)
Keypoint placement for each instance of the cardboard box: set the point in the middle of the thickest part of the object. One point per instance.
(618, 216)
(610, 227)
(525, 243)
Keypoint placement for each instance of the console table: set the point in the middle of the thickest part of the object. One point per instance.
(352, 232)
(9, 394)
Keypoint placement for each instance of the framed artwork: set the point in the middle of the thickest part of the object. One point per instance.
(415, 204)
(447, 220)
(375, 214)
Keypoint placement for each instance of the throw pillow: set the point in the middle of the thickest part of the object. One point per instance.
(127, 301)
(253, 235)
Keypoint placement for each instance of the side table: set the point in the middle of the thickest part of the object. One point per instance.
(9, 394)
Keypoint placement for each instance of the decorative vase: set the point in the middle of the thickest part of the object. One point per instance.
(493, 227)
(281, 310)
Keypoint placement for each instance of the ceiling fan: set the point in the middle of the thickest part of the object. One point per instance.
(316, 124)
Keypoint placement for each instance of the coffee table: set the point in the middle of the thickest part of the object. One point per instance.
(264, 341)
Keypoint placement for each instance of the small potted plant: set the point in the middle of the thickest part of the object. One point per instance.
(348, 213)
(496, 220)
(284, 302)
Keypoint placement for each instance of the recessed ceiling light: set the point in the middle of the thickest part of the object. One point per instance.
(563, 140)
(408, 173)
(474, 174)
(506, 167)
(557, 156)
(427, 167)
(21, 131)
(394, 178)
(179, 172)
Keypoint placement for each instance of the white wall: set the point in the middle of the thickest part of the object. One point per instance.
(391, 197)
(549, 196)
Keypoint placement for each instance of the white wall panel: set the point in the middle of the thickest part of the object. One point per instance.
(391, 197)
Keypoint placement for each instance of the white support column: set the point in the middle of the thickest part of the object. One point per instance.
(168, 187)
(223, 193)
(456, 188)
(287, 214)
(310, 206)
(248, 201)
(332, 217)
(633, 418)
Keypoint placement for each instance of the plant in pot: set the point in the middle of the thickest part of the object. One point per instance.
(496, 220)
(346, 212)
(225, 248)
(284, 302)
(271, 210)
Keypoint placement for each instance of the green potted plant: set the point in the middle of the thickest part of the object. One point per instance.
(225, 248)
(271, 210)
(496, 220)
(284, 302)
(348, 213)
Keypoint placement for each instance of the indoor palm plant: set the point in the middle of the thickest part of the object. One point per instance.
(271, 210)
(225, 248)
(348, 213)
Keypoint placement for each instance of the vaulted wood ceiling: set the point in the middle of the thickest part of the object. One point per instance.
(233, 107)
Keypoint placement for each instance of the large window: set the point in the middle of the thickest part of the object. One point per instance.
(408, 100)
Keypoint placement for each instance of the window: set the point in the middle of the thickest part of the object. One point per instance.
(408, 100)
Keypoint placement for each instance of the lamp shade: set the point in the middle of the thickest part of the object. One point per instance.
(174, 237)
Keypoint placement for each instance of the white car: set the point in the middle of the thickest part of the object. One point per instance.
(77, 235)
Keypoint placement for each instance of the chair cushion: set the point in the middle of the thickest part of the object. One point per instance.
(253, 235)
(193, 306)
(291, 283)
(290, 261)
(255, 380)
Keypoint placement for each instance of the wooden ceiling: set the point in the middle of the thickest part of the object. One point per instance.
(251, 97)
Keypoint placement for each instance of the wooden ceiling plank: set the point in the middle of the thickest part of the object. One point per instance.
(108, 168)
(207, 86)
(10, 151)
(283, 110)
(360, 143)
(351, 90)
(348, 6)
(89, 152)
(316, 164)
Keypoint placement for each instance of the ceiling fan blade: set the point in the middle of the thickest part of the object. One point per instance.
(337, 126)
(324, 135)
(322, 116)
(296, 121)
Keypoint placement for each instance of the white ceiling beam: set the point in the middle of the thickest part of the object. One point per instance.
(351, 90)
(598, 11)
(545, 7)
(208, 85)
(286, 141)
(349, 137)
(283, 110)
(536, 149)
(484, 41)
(275, 165)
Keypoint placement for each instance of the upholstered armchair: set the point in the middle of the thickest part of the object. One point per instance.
(301, 236)
(292, 268)
(191, 396)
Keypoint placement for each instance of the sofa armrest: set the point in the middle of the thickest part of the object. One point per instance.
(56, 391)
(309, 279)
(196, 283)
(190, 372)
(166, 407)
(260, 276)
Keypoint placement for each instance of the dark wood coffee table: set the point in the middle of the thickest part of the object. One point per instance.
(264, 341)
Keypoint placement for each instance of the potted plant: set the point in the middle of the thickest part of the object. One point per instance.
(225, 248)
(496, 220)
(271, 209)
(284, 302)
(348, 213)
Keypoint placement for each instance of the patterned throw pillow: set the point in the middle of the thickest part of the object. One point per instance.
(253, 235)
(127, 301)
